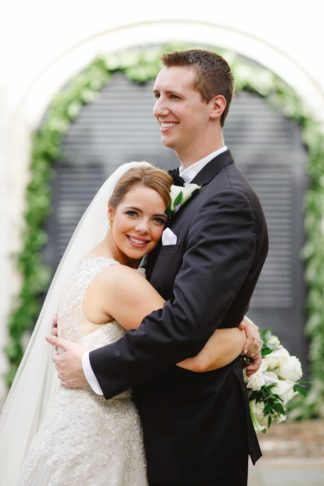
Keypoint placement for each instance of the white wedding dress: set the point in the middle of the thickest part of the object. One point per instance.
(85, 439)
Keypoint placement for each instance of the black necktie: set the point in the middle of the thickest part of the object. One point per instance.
(177, 179)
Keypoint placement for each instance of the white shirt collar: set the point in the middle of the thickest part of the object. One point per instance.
(189, 173)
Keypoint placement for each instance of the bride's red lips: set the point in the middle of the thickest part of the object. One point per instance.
(134, 239)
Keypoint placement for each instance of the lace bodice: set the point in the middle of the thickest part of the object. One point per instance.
(71, 319)
(84, 438)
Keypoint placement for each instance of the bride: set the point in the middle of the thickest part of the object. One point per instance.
(50, 435)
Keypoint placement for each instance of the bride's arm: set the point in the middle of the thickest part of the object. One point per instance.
(221, 349)
(128, 297)
(225, 345)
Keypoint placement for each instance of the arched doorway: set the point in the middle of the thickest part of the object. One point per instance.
(118, 127)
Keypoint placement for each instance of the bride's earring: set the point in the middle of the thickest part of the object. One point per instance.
(110, 216)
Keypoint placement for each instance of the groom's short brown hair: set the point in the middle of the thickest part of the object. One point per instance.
(213, 74)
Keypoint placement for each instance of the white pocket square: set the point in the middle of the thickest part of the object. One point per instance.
(168, 237)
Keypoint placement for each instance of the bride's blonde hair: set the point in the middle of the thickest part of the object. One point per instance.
(148, 176)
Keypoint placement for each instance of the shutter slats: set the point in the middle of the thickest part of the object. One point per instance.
(74, 188)
(118, 127)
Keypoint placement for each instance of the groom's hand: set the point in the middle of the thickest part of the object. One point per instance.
(68, 363)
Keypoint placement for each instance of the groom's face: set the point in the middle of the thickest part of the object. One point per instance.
(180, 110)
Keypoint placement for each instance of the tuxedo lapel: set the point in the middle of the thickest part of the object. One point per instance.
(202, 178)
(206, 175)
(213, 168)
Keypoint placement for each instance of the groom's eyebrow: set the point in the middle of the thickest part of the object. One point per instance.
(168, 92)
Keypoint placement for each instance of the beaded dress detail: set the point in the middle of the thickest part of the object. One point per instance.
(85, 439)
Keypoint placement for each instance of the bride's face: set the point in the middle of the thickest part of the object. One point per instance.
(137, 224)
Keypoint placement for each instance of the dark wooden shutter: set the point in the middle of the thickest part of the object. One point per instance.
(72, 189)
(118, 127)
(269, 151)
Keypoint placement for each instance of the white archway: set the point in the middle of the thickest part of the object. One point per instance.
(63, 68)
(26, 114)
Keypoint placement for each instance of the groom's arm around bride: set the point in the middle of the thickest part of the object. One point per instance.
(196, 425)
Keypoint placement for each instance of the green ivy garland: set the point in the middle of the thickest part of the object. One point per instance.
(142, 65)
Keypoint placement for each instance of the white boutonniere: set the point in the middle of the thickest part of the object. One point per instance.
(180, 195)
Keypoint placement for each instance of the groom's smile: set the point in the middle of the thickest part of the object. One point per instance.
(165, 126)
(183, 115)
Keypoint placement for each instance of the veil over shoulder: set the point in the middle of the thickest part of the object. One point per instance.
(36, 381)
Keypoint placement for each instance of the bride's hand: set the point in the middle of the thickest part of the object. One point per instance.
(69, 363)
(252, 346)
(55, 326)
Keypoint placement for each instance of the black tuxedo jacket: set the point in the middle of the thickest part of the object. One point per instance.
(196, 426)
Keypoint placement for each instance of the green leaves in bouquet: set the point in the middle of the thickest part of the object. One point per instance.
(302, 387)
(274, 406)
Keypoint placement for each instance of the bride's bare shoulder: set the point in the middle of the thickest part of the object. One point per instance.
(124, 294)
(118, 276)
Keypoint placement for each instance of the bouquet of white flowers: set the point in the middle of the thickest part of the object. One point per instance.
(275, 383)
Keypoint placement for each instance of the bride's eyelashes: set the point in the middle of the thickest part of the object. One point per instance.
(131, 213)
(159, 220)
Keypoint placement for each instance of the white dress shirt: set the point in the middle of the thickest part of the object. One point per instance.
(188, 174)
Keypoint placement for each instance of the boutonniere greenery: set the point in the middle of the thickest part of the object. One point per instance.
(180, 195)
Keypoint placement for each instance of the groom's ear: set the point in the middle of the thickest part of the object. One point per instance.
(217, 106)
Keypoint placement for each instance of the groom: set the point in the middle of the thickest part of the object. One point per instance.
(197, 427)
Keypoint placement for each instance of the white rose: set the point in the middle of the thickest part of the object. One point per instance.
(285, 390)
(260, 422)
(186, 192)
(256, 381)
(276, 357)
(280, 418)
(264, 365)
(188, 189)
(273, 342)
(290, 369)
(270, 378)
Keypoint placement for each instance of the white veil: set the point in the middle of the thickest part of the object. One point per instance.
(36, 380)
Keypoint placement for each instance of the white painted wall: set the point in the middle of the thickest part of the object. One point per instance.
(44, 43)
